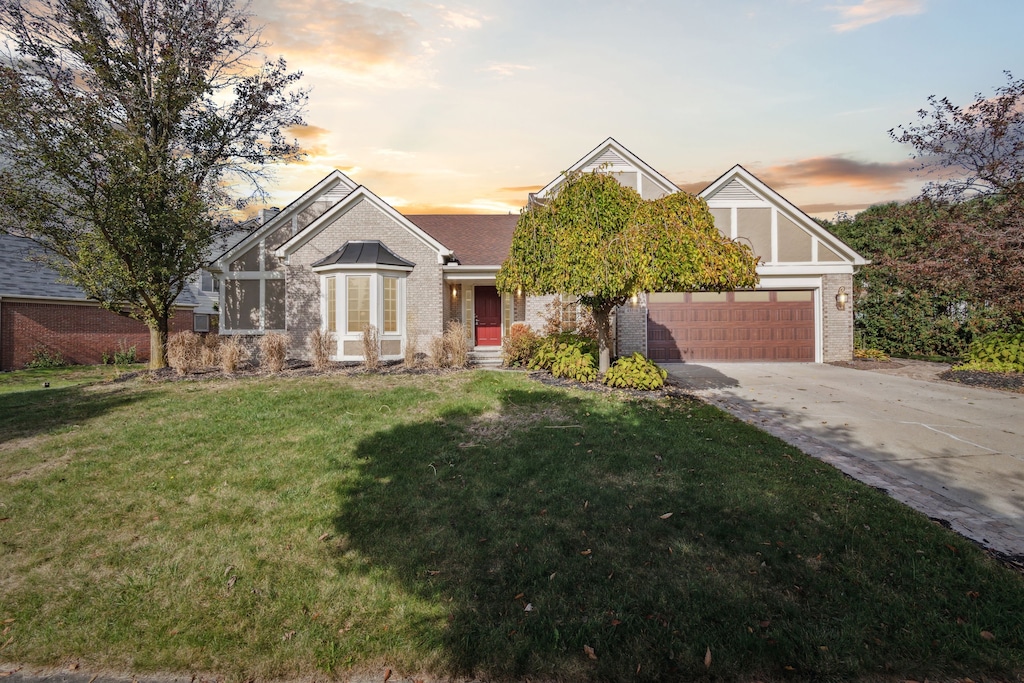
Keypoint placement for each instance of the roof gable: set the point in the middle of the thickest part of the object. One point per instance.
(332, 189)
(738, 187)
(360, 194)
(612, 157)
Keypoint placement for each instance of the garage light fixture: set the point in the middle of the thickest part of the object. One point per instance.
(841, 299)
(455, 292)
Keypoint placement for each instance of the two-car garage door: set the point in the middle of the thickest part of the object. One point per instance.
(761, 325)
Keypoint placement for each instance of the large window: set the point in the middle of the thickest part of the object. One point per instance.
(332, 303)
(358, 303)
(390, 305)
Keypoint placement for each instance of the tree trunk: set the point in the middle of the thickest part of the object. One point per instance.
(602, 318)
(158, 343)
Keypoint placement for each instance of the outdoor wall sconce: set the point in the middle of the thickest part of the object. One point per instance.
(634, 300)
(841, 299)
(455, 292)
(519, 291)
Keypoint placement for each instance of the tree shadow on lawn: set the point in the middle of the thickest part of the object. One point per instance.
(25, 414)
(543, 530)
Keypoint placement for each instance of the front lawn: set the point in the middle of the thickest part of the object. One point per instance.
(472, 523)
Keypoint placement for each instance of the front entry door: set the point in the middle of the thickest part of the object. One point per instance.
(487, 316)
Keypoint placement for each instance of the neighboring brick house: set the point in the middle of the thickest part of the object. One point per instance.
(41, 314)
(339, 257)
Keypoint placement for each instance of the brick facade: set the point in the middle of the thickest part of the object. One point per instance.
(80, 332)
(631, 327)
(837, 326)
(424, 289)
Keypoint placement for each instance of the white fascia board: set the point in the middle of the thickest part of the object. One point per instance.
(298, 205)
(339, 209)
(810, 269)
(781, 203)
(616, 146)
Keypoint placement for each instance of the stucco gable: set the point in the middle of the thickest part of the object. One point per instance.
(358, 196)
(612, 157)
(739, 188)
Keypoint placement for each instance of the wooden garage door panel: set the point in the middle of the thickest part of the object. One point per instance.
(732, 330)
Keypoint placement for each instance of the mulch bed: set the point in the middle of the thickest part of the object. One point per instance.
(868, 364)
(1007, 381)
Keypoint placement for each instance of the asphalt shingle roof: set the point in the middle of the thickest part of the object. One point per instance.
(477, 240)
(22, 277)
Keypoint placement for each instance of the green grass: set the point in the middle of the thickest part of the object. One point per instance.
(76, 375)
(279, 528)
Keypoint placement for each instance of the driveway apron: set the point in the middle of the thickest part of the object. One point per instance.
(953, 452)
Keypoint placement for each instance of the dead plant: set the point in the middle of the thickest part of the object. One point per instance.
(456, 347)
(183, 352)
(273, 351)
(232, 354)
(322, 344)
(371, 348)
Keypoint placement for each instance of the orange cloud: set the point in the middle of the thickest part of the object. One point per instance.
(838, 170)
(312, 139)
(522, 189)
(344, 33)
(694, 187)
(872, 11)
(833, 208)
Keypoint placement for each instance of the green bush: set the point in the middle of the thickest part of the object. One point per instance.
(996, 352)
(548, 349)
(520, 345)
(43, 358)
(635, 372)
(572, 362)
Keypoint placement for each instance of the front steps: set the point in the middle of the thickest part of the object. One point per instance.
(485, 357)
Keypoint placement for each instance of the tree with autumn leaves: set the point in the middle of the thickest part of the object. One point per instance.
(601, 242)
(127, 126)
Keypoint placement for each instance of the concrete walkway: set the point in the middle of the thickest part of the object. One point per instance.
(954, 453)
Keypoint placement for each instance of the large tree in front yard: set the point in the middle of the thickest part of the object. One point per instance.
(601, 242)
(125, 126)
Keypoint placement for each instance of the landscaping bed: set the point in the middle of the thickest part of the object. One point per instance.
(464, 524)
(1006, 381)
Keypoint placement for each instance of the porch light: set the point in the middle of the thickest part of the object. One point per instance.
(634, 300)
(519, 291)
(455, 292)
(841, 299)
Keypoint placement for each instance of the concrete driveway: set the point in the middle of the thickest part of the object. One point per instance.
(953, 452)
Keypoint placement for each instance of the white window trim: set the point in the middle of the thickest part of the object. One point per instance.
(342, 334)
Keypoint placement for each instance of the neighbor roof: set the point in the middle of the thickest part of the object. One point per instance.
(371, 253)
(20, 276)
(477, 240)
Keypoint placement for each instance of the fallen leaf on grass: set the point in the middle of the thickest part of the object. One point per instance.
(590, 652)
(324, 536)
(585, 552)
(387, 675)
(707, 658)
(615, 622)
(988, 635)
(519, 596)
(665, 516)
(288, 635)
(9, 641)
(529, 607)
(231, 581)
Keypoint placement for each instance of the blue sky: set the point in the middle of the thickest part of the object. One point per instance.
(465, 107)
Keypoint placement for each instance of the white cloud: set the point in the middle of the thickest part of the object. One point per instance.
(506, 70)
(872, 11)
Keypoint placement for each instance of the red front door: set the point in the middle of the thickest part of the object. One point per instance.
(487, 308)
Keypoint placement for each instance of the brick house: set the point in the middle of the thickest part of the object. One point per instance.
(41, 314)
(339, 257)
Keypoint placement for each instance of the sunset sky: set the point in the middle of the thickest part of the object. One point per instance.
(467, 107)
